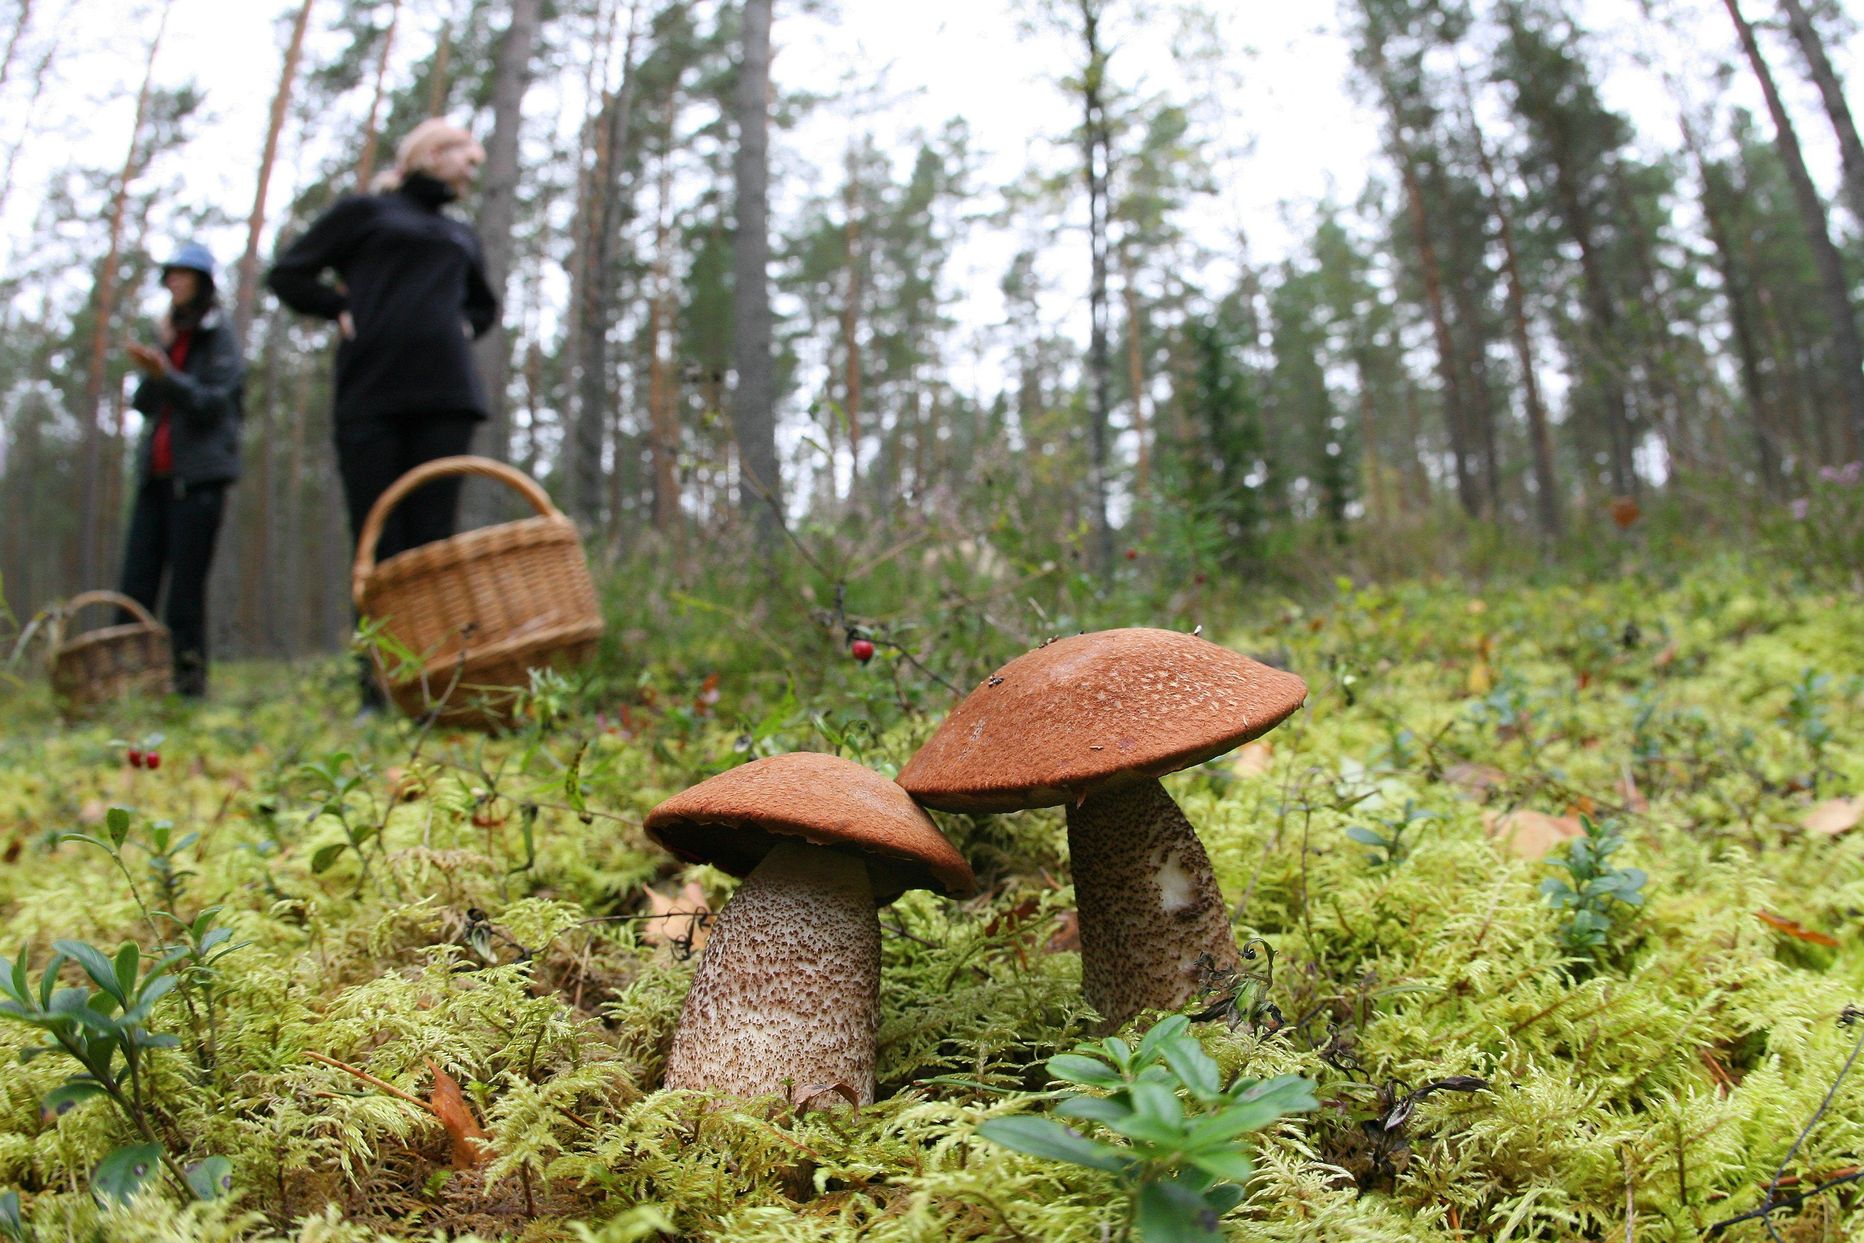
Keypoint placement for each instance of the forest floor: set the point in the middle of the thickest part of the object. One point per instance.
(1554, 896)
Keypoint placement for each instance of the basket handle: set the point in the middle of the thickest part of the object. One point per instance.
(427, 472)
(85, 599)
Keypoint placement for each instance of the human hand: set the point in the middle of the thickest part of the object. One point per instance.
(346, 325)
(149, 360)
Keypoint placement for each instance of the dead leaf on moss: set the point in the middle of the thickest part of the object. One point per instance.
(1476, 780)
(679, 920)
(1796, 930)
(470, 1146)
(1254, 759)
(1834, 816)
(1530, 834)
(1066, 939)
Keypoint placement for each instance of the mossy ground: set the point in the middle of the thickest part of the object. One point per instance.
(1648, 1094)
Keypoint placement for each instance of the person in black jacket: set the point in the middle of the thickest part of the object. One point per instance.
(411, 295)
(189, 397)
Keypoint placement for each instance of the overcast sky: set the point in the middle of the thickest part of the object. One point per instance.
(1290, 106)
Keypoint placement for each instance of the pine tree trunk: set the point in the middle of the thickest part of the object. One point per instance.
(851, 334)
(1832, 93)
(1601, 330)
(1097, 153)
(1847, 350)
(371, 135)
(1540, 435)
(760, 488)
(1455, 422)
(498, 207)
(663, 416)
(247, 297)
(1136, 383)
(102, 467)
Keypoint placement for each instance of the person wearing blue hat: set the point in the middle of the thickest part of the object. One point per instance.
(189, 396)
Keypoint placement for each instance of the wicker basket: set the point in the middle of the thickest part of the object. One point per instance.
(478, 610)
(98, 667)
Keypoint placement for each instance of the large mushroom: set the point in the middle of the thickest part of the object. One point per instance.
(1092, 722)
(786, 998)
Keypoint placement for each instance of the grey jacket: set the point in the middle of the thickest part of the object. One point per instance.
(204, 400)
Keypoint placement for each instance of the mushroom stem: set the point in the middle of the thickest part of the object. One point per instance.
(1153, 923)
(786, 999)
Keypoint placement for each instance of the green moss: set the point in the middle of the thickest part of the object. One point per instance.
(1669, 1077)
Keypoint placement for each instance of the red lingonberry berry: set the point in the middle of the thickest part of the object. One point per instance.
(1132, 554)
(135, 757)
(153, 760)
(862, 650)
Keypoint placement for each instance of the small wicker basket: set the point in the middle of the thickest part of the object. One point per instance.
(478, 610)
(98, 667)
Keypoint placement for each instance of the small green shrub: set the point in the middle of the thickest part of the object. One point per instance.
(1181, 1166)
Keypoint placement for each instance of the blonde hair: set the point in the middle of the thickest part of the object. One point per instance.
(414, 148)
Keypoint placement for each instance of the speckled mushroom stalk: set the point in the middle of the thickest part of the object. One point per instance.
(1154, 926)
(786, 998)
(1091, 722)
(787, 994)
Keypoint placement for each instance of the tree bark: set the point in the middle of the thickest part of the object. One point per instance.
(1832, 93)
(1540, 436)
(101, 467)
(662, 414)
(1455, 422)
(247, 296)
(586, 466)
(760, 488)
(498, 207)
(851, 332)
(371, 135)
(1847, 349)
(1096, 145)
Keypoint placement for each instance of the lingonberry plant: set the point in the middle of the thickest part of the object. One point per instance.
(1181, 1166)
(1593, 890)
(104, 1032)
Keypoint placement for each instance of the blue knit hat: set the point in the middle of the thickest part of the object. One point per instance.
(193, 256)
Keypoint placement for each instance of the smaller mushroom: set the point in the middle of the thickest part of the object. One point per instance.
(1092, 722)
(786, 998)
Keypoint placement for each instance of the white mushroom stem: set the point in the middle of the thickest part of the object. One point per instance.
(1153, 923)
(787, 996)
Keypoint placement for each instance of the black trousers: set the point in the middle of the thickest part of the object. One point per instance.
(172, 530)
(371, 455)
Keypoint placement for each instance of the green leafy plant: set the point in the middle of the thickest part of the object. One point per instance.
(1388, 844)
(335, 780)
(104, 1032)
(201, 946)
(1592, 889)
(1805, 712)
(1181, 1165)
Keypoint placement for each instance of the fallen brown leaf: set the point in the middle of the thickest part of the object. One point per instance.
(678, 919)
(1796, 930)
(1476, 780)
(470, 1146)
(1530, 834)
(1834, 816)
(1254, 759)
(1066, 939)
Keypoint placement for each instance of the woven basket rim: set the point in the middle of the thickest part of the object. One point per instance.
(518, 535)
(551, 640)
(109, 634)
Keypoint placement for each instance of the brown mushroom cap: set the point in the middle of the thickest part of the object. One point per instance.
(1095, 710)
(732, 820)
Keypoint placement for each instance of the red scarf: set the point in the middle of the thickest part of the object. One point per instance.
(162, 447)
